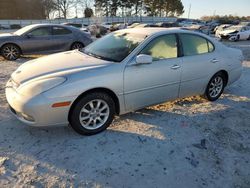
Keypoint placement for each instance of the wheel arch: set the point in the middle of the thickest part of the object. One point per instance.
(101, 90)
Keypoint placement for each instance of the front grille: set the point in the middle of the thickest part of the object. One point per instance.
(225, 36)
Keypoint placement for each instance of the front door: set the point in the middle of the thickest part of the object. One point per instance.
(149, 84)
(38, 40)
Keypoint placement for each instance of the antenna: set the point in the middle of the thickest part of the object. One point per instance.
(189, 11)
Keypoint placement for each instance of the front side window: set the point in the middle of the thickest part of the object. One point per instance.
(43, 31)
(61, 31)
(163, 47)
(195, 45)
(115, 46)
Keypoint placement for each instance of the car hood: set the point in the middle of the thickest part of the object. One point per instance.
(59, 64)
(6, 35)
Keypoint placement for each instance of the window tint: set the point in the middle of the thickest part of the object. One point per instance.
(43, 31)
(194, 45)
(162, 47)
(60, 31)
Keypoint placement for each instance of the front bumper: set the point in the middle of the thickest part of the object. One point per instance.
(228, 36)
(37, 111)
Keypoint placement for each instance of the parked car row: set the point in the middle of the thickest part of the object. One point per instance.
(51, 38)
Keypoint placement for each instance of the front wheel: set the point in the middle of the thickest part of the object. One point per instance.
(92, 114)
(215, 87)
(237, 38)
(10, 52)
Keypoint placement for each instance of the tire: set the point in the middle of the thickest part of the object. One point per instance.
(10, 52)
(248, 38)
(215, 87)
(87, 120)
(77, 46)
(237, 38)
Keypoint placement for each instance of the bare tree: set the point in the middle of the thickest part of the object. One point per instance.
(64, 6)
(49, 7)
(81, 5)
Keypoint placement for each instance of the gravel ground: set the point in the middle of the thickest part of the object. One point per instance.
(184, 143)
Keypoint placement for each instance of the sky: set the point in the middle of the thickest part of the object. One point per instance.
(200, 8)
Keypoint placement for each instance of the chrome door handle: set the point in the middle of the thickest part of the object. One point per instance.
(214, 61)
(175, 67)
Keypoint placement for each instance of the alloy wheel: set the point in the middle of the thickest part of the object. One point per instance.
(94, 114)
(10, 52)
(216, 86)
(76, 46)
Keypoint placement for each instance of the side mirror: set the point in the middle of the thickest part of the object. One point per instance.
(29, 35)
(144, 59)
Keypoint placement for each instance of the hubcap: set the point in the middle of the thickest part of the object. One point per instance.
(11, 52)
(77, 46)
(94, 114)
(216, 87)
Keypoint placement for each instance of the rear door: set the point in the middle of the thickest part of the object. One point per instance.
(199, 63)
(148, 84)
(39, 40)
(62, 38)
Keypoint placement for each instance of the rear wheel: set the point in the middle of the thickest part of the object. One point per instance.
(215, 87)
(92, 114)
(77, 46)
(10, 52)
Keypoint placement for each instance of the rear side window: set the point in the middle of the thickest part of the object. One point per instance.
(61, 31)
(163, 47)
(195, 45)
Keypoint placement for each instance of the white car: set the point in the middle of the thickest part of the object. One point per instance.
(236, 33)
(219, 29)
(122, 72)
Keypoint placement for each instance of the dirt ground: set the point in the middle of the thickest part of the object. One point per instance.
(184, 143)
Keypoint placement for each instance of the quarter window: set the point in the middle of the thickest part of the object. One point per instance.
(195, 45)
(210, 46)
(43, 31)
(60, 31)
(162, 47)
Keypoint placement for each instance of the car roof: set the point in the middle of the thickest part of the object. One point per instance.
(49, 24)
(155, 30)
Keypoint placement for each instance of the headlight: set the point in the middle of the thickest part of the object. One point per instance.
(36, 87)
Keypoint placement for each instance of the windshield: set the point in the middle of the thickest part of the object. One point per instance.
(23, 30)
(115, 46)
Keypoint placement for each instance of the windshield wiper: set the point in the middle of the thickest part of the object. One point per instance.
(99, 57)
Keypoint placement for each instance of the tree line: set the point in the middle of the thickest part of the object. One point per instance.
(226, 19)
(62, 8)
(140, 7)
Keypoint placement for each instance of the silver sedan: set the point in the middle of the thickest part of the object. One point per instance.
(42, 39)
(119, 73)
